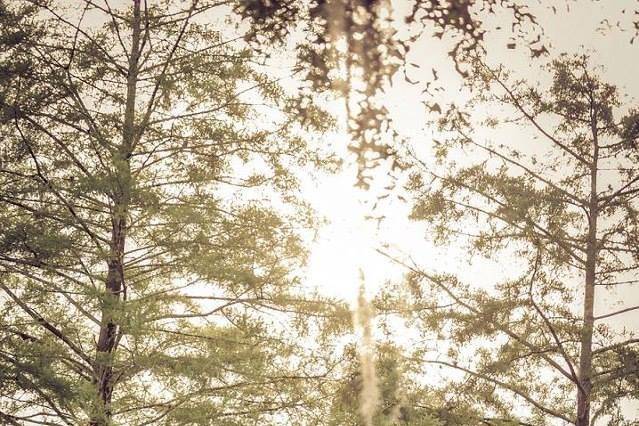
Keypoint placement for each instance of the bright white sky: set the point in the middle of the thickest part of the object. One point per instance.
(349, 241)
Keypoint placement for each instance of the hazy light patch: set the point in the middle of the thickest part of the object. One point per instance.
(346, 243)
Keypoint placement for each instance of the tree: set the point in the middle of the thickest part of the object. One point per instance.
(530, 349)
(147, 278)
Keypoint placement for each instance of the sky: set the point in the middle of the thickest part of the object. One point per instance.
(348, 242)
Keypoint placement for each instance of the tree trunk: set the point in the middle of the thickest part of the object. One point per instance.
(108, 337)
(585, 357)
(115, 286)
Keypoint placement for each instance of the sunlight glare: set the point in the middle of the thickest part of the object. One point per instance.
(346, 243)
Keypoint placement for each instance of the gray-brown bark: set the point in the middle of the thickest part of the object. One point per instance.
(115, 290)
(585, 356)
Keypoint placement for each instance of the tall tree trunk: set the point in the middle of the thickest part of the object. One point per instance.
(115, 289)
(585, 357)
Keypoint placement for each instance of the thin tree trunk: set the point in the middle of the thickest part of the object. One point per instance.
(585, 358)
(115, 289)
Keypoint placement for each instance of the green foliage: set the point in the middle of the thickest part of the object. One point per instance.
(401, 399)
(151, 223)
(519, 348)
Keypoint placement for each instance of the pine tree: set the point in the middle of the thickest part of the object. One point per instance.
(150, 222)
(530, 349)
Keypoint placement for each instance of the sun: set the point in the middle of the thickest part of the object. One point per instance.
(346, 244)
